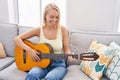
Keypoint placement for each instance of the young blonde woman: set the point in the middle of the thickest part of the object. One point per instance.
(57, 36)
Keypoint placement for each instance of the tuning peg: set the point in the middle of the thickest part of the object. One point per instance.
(96, 56)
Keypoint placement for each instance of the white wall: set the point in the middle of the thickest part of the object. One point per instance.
(92, 15)
(13, 11)
(85, 15)
(8, 11)
(4, 16)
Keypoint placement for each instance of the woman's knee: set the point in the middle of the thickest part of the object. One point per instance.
(56, 74)
(36, 73)
(32, 77)
(51, 78)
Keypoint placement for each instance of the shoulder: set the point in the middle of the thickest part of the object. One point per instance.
(64, 31)
(36, 31)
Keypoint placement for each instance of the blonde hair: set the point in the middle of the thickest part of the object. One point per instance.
(48, 7)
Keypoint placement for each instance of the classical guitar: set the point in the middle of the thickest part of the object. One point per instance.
(25, 63)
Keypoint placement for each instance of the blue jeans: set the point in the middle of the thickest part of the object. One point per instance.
(55, 71)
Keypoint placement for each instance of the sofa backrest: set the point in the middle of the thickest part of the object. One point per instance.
(23, 29)
(81, 40)
(7, 33)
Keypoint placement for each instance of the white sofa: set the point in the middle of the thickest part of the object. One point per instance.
(79, 42)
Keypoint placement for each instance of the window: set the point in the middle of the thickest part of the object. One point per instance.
(12, 12)
(30, 11)
(119, 25)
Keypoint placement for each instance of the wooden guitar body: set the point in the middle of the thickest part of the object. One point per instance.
(24, 61)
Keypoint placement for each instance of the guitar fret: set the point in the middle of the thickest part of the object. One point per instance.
(52, 56)
(57, 56)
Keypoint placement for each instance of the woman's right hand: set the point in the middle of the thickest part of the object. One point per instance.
(34, 55)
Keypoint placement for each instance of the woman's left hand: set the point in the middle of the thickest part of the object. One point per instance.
(70, 58)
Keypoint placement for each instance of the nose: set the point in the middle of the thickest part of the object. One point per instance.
(55, 19)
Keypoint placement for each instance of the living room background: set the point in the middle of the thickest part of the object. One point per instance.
(83, 15)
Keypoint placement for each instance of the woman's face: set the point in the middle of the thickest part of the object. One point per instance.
(52, 17)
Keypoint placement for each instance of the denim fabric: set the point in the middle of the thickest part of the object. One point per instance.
(55, 71)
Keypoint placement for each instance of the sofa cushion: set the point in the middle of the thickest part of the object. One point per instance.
(112, 71)
(74, 73)
(12, 73)
(5, 62)
(7, 33)
(95, 69)
(2, 52)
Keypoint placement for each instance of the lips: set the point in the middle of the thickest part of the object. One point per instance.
(53, 23)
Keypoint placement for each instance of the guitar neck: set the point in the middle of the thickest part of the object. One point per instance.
(57, 56)
(82, 56)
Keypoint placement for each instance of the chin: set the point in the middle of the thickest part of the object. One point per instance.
(53, 24)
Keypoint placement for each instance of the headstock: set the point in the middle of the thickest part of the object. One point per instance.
(90, 56)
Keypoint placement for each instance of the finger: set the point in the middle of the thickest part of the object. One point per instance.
(34, 59)
(37, 52)
(73, 53)
(38, 55)
(37, 58)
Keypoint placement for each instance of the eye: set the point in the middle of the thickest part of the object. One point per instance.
(51, 16)
(57, 17)
(54, 17)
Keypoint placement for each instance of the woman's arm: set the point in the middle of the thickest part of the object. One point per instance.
(65, 40)
(19, 41)
(66, 44)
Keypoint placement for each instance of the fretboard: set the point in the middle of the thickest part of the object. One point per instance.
(57, 56)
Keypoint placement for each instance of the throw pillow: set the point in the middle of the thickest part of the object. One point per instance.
(112, 71)
(2, 52)
(95, 69)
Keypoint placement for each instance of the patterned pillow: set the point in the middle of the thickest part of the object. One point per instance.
(2, 52)
(112, 71)
(95, 69)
